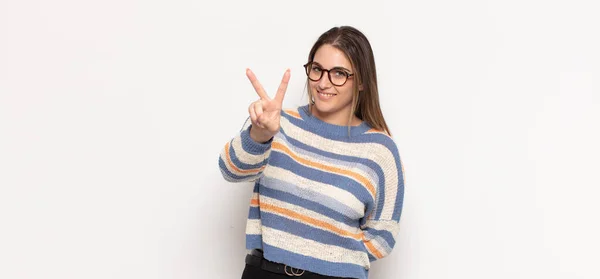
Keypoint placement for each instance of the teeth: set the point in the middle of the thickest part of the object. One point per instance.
(326, 94)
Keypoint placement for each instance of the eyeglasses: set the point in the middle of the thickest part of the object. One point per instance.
(314, 71)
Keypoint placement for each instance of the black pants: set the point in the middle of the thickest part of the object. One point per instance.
(255, 272)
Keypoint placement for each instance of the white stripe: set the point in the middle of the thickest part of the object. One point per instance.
(244, 156)
(253, 226)
(384, 225)
(307, 194)
(314, 249)
(229, 164)
(307, 186)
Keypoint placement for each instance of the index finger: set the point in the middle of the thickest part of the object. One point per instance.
(257, 86)
(283, 86)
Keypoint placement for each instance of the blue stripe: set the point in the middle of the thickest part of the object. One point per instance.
(241, 165)
(400, 193)
(325, 130)
(284, 161)
(310, 205)
(253, 241)
(361, 138)
(385, 235)
(275, 254)
(234, 176)
(399, 201)
(308, 194)
(372, 258)
(308, 232)
(254, 212)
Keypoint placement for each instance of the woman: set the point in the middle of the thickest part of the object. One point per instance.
(329, 182)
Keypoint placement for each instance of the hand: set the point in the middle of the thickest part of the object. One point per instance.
(266, 112)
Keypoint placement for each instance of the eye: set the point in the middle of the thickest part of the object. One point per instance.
(339, 73)
(316, 68)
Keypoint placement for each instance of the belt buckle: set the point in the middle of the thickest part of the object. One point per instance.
(292, 272)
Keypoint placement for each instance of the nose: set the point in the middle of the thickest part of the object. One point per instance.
(324, 82)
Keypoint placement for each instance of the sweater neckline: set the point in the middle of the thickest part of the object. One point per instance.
(323, 128)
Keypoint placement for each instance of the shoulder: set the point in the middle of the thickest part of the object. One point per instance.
(387, 155)
(379, 137)
(383, 148)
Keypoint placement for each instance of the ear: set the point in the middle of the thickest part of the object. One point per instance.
(360, 87)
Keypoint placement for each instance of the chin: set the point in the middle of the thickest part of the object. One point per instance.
(323, 107)
(328, 107)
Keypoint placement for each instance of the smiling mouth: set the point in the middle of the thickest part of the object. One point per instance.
(326, 94)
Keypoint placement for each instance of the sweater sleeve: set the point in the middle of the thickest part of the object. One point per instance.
(381, 226)
(243, 159)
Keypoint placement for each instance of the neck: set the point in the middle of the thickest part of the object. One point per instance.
(339, 118)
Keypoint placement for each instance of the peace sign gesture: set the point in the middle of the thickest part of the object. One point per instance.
(266, 112)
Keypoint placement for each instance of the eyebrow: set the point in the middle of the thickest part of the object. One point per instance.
(336, 67)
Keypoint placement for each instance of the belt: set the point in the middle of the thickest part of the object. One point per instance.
(256, 258)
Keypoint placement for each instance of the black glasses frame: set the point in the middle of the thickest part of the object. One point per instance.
(307, 71)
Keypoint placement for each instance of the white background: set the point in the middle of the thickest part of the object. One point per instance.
(113, 114)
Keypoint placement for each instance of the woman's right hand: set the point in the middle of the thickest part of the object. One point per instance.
(265, 113)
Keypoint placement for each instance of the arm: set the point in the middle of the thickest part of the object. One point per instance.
(243, 158)
(381, 226)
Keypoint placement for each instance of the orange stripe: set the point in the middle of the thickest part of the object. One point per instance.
(230, 163)
(317, 223)
(293, 113)
(373, 130)
(309, 220)
(358, 177)
(372, 248)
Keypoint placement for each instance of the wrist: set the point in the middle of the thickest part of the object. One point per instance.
(258, 136)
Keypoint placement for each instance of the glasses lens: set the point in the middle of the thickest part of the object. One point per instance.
(314, 72)
(338, 77)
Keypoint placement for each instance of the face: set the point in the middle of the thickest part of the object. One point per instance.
(333, 104)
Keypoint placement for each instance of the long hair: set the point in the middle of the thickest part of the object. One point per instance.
(356, 47)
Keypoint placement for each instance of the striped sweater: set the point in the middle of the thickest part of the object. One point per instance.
(326, 199)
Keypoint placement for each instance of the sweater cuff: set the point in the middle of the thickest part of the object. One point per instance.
(252, 146)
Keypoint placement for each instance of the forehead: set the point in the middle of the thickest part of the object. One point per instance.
(330, 57)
